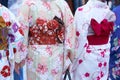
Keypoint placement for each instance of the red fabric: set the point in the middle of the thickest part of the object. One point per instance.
(97, 40)
(104, 28)
(102, 31)
(47, 32)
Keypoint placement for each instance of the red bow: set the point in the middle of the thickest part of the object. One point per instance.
(103, 28)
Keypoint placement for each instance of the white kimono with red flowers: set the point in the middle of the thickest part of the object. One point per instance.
(15, 49)
(94, 23)
(49, 31)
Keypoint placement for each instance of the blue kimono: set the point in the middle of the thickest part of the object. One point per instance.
(114, 70)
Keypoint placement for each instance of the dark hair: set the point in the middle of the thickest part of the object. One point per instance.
(116, 2)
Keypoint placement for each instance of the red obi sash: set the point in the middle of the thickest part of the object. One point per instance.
(102, 31)
(47, 32)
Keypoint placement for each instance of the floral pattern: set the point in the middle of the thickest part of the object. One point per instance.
(115, 56)
(10, 53)
(92, 60)
(49, 33)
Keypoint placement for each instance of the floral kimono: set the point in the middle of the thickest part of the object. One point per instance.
(12, 48)
(49, 33)
(94, 23)
(114, 65)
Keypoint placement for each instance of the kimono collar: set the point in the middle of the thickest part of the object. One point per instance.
(97, 4)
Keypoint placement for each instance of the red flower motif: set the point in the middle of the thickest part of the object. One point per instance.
(98, 78)
(80, 61)
(87, 74)
(8, 23)
(54, 72)
(80, 9)
(100, 65)
(5, 71)
(103, 54)
(53, 24)
(42, 68)
(40, 22)
(88, 51)
(105, 63)
(101, 74)
(21, 32)
(77, 33)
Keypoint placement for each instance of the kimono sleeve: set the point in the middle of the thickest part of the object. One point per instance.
(81, 33)
(23, 18)
(69, 35)
(16, 46)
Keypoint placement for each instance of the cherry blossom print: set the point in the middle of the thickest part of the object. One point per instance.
(47, 4)
(54, 71)
(49, 50)
(42, 69)
(29, 3)
(29, 60)
(5, 15)
(47, 32)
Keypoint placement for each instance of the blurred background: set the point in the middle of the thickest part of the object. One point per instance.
(74, 4)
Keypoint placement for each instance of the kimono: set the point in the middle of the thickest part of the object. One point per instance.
(49, 33)
(14, 8)
(94, 23)
(12, 48)
(114, 71)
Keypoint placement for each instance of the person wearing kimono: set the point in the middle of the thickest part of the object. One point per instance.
(114, 65)
(94, 22)
(50, 35)
(14, 8)
(12, 47)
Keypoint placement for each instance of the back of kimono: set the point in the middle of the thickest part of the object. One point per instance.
(10, 35)
(94, 23)
(49, 31)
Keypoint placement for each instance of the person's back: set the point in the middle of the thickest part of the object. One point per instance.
(49, 32)
(94, 22)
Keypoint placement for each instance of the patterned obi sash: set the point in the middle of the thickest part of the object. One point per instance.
(47, 32)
